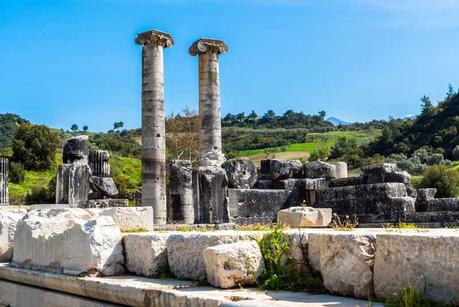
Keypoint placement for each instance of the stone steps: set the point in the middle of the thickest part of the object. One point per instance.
(18, 288)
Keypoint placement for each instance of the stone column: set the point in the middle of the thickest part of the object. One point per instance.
(153, 122)
(181, 192)
(210, 136)
(4, 199)
(99, 163)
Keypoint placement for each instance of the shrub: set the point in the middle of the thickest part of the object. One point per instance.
(280, 271)
(16, 172)
(35, 146)
(444, 179)
(321, 153)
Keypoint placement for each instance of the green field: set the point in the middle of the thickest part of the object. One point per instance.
(317, 140)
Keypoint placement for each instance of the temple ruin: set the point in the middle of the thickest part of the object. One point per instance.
(92, 249)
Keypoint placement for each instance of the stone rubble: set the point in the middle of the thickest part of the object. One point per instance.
(241, 173)
(319, 169)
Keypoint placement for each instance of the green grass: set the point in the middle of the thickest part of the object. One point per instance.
(318, 140)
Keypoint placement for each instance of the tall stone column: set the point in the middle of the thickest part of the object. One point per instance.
(4, 199)
(210, 136)
(153, 122)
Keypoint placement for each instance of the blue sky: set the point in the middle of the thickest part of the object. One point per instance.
(75, 61)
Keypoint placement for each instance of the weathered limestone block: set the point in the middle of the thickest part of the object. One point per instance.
(76, 149)
(442, 204)
(425, 261)
(241, 172)
(319, 169)
(388, 200)
(145, 253)
(4, 167)
(344, 182)
(341, 169)
(69, 242)
(249, 206)
(386, 172)
(426, 194)
(283, 169)
(105, 186)
(233, 265)
(210, 187)
(73, 184)
(99, 163)
(345, 261)
(181, 192)
(305, 217)
(8, 222)
(263, 184)
(184, 251)
(265, 169)
(128, 218)
(391, 210)
(106, 203)
(365, 191)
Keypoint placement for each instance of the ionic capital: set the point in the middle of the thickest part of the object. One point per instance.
(206, 45)
(155, 37)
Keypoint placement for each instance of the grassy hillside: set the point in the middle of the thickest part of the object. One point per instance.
(33, 180)
(437, 127)
(300, 151)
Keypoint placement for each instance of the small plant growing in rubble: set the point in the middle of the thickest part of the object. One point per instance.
(346, 224)
(280, 273)
(410, 297)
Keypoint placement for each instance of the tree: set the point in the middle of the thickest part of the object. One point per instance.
(16, 172)
(450, 92)
(118, 125)
(322, 115)
(35, 146)
(426, 104)
(74, 128)
(182, 137)
(85, 128)
(443, 178)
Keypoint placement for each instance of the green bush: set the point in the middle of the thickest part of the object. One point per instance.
(444, 179)
(321, 153)
(35, 146)
(16, 172)
(281, 272)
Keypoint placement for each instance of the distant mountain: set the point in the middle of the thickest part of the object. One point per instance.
(336, 121)
(8, 126)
